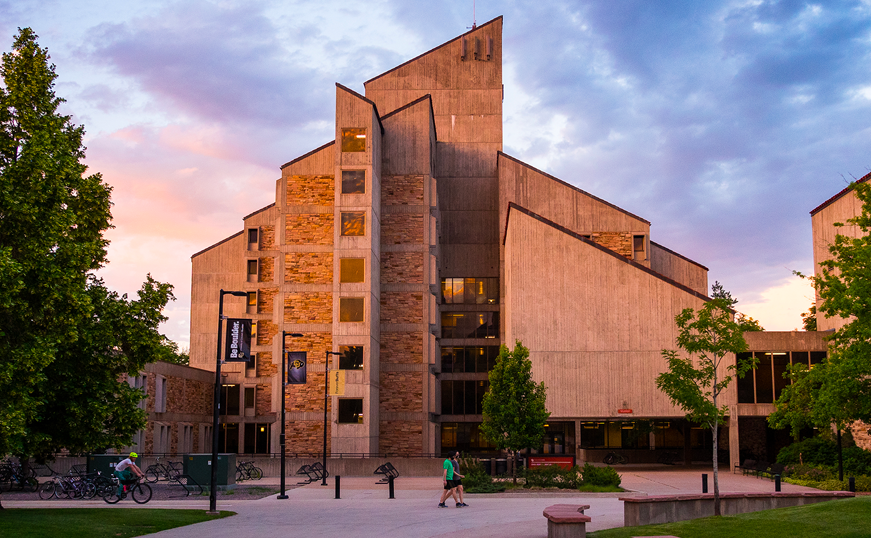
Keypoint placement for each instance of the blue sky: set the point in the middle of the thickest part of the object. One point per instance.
(722, 123)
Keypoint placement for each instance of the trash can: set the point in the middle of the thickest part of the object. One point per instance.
(501, 467)
(199, 467)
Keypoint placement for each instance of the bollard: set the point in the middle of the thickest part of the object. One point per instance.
(390, 486)
(777, 482)
(338, 488)
(704, 483)
(852, 484)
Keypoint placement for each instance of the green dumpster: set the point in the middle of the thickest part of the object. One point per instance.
(105, 463)
(198, 467)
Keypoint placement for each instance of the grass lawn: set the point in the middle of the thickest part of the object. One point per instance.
(95, 522)
(839, 519)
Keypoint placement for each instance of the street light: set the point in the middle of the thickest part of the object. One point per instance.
(213, 500)
(326, 383)
(282, 441)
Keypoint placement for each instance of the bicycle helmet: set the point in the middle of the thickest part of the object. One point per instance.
(134, 455)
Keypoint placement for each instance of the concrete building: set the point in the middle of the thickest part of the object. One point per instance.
(413, 246)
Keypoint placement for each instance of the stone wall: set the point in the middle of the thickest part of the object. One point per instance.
(401, 392)
(265, 299)
(401, 307)
(314, 344)
(188, 396)
(315, 307)
(308, 267)
(265, 368)
(308, 397)
(262, 399)
(401, 348)
(310, 190)
(307, 437)
(402, 190)
(861, 434)
(621, 243)
(267, 237)
(400, 437)
(402, 267)
(267, 269)
(401, 228)
(309, 229)
(266, 330)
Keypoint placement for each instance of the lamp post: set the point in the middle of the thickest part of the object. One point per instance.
(282, 440)
(213, 500)
(326, 383)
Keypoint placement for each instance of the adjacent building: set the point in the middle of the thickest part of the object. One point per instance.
(412, 247)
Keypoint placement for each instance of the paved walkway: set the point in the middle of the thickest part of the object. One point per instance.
(365, 510)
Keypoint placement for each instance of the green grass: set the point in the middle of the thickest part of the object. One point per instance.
(589, 488)
(847, 518)
(96, 522)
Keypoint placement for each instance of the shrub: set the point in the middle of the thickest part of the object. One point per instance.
(863, 483)
(476, 479)
(600, 476)
(552, 476)
(818, 452)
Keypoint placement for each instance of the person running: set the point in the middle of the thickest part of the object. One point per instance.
(448, 479)
(458, 480)
(125, 470)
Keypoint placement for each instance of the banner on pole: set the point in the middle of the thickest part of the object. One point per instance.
(238, 340)
(337, 383)
(296, 367)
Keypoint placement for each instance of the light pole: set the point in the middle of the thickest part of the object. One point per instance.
(213, 499)
(282, 441)
(326, 383)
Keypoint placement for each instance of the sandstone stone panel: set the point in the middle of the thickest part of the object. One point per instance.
(314, 344)
(267, 269)
(401, 307)
(401, 348)
(401, 228)
(402, 267)
(309, 229)
(267, 237)
(266, 330)
(315, 307)
(308, 267)
(310, 190)
(262, 400)
(400, 437)
(307, 437)
(308, 397)
(402, 190)
(621, 243)
(401, 392)
(265, 368)
(265, 298)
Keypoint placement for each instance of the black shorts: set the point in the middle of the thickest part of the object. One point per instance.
(458, 482)
(450, 484)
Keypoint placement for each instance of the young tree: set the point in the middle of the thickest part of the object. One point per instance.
(64, 338)
(514, 405)
(695, 382)
(747, 323)
(809, 318)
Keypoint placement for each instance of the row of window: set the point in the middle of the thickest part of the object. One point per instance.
(470, 324)
(470, 290)
(765, 383)
(637, 434)
(255, 438)
(463, 397)
(231, 401)
(469, 359)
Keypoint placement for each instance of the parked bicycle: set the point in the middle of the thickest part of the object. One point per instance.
(614, 458)
(71, 487)
(15, 476)
(138, 490)
(245, 470)
(170, 470)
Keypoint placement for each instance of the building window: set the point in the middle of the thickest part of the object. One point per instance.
(230, 399)
(765, 383)
(638, 248)
(351, 309)
(251, 366)
(464, 436)
(350, 411)
(228, 438)
(252, 298)
(205, 438)
(469, 359)
(160, 394)
(351, 357)
(139, 382)
(351, 270)
(470, 324)
(161, 438)
(249, 398)
(186, 439)
(463, 397)
(353, 139)
(353, 182)
(252, 267)
(470, 290)
(256, 438)
(253, 238)
(354, 223)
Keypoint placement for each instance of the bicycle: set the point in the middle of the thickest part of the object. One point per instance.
(71, 487)
(613, 458)
(668, 457)
(158, 471)
(245, 470)
(16, 476)
(138, 490)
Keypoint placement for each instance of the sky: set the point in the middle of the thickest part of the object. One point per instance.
(723, 123)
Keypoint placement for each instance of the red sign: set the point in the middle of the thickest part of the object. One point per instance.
(566, 462)
(624, 411)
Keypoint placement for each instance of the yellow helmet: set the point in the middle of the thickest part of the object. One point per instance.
(134, 455)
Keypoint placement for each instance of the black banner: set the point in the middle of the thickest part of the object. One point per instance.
(238, 340)
(296, 366)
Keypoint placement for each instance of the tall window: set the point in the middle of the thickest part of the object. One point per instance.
(186, 439)
(253, 237)
(252, 269)
(256, 438)
(230, 399)
(463, 397)
(160, 394)
(354, 223)
(765, 383)
(638, 248)
(470, 290)
(353, 181)
(354, 139)
(249, 400)
(228, 438)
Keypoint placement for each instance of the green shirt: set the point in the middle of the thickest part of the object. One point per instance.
(450, 468)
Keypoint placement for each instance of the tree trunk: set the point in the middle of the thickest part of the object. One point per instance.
(514, 466)
(715, 430)
(840, 458)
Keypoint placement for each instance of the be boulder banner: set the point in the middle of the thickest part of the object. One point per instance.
(296, 366)
(238, 340)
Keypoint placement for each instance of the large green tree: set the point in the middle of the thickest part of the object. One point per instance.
(64, 338)
(694, 382)
(514, 405)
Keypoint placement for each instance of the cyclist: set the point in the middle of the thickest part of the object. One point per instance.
(123, 472)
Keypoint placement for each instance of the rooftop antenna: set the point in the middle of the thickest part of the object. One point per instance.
(474, 21)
